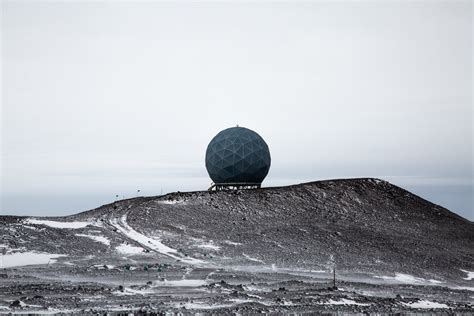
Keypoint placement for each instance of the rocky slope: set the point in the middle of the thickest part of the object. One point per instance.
(369, 229)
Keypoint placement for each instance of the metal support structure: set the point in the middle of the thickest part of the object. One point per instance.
(234, 186)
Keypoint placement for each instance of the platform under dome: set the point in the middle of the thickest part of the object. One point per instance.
(237, 157)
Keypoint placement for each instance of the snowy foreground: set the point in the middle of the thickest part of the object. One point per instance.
(269, 250)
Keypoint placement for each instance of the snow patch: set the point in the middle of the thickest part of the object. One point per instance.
(103, 266)
(425, 304)
(209, 246)
(55, 224)
(183, 283)
(100, 239)
(470, 275)
(345, 301)
(170, 202)
(467, 288)
(198, 305)
(240, 301)
(409, 279)
(127, 249)
(252, 259)
(29, 227)
(129, 291)
(202, 305)
(40, 311)
(124, 228)
(252, 288)
(19, 259)
(67, 263)
(54, 311)
(435, 281)
(174, 283)
(232, 243)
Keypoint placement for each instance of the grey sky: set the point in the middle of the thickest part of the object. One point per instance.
(104, 98)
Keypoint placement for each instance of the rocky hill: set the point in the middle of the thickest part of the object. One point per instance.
(370, 230)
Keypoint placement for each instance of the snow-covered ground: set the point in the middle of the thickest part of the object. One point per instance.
(408, 279)
(426, 304)
(56, 224)
(200, 305)
(100, 239)
(210, 246)
(127, 249)
(345, 301)
(470, 275)
(30, 227)
(130, 291)
(122, 226)
(103, 266)
(205, 306)
(172, 202)
(18, 259)
(252, 258)
(232, 243)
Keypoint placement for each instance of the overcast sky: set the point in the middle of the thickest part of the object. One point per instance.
(105, 98)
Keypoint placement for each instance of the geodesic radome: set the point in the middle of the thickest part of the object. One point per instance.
(237, 155)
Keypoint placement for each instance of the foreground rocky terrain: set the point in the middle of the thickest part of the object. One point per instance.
(265, 250)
